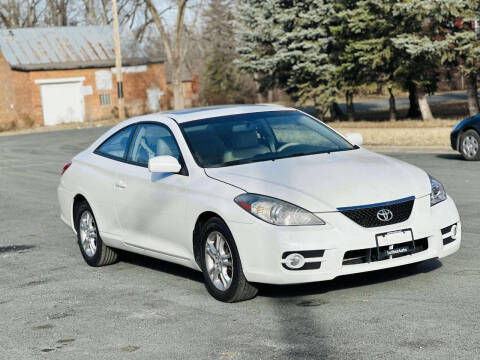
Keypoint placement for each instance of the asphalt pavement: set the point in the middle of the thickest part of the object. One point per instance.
(54, 306)
(404, 102)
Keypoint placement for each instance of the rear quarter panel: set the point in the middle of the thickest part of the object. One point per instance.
(93, 177)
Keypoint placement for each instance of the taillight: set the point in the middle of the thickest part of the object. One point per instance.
(66, 166)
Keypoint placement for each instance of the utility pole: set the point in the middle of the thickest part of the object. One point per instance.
(118, 63)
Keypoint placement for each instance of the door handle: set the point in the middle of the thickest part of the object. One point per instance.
(120, 185)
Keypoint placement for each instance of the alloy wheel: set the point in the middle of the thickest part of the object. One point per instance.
(88, 233)
(470, 146)
(218, 261)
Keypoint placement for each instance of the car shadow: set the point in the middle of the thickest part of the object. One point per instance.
(160, 265)
(450, 157)
(348, 281)
(288, 291)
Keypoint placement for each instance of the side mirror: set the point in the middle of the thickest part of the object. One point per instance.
(355, 138)
(164, 164)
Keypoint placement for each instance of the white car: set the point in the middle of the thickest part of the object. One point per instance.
(252, 194)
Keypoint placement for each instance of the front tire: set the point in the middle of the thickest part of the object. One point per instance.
(470, 145)
(221, 265)
(93, 249)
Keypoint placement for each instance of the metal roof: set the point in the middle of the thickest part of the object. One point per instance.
(70, 47)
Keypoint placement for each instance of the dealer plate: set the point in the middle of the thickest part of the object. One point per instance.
(394, 237)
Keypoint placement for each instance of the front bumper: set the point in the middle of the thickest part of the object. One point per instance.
(262, 246)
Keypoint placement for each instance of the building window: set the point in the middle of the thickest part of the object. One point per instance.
(105, 99)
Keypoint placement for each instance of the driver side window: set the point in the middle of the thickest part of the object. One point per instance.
(152, 140)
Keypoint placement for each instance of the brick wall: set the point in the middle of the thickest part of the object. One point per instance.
(20, 95)
(7, 103)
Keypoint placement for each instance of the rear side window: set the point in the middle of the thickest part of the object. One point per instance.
(116, 146)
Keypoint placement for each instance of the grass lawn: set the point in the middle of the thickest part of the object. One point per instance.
(378, 132)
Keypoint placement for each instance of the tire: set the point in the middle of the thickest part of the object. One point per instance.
(101, 254)
(470, 145)
(238, 288)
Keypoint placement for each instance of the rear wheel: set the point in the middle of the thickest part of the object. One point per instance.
(221, 265)
(93, 249)
(470, 145)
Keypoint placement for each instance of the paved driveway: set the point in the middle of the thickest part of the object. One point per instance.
(52, 305)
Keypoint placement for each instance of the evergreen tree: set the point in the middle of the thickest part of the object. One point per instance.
(425, 40)
(460, 48)
(365, 53)
(287, 44)
(222, 82)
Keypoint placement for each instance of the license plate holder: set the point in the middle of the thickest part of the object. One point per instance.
(386, 243)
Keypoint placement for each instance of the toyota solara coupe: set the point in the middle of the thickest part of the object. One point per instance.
(252, 194)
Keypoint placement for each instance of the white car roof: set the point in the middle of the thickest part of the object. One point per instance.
(200, 113)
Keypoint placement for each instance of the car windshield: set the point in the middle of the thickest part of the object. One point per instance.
(264, 136)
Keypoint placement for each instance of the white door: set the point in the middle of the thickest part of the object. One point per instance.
(62, 103)
(150, 207)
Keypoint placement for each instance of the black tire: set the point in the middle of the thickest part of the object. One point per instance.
(470, 155)
(240, 289)
(104, 255)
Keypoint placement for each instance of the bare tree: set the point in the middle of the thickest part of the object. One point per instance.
(90, 12)
(57, 13)
(17, 13)
(175, 45)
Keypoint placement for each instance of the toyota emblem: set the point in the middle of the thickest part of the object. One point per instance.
(384, 215)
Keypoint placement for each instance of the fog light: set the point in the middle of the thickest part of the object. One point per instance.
(454, 231)
(295, 261)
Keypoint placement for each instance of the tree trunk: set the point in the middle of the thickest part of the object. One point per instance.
(472, 92)
(175, 49)
(350, 106)
(270, 96)
(414, 110)
(392, 105)
(336, 112)
(178, 97)
(424, 106)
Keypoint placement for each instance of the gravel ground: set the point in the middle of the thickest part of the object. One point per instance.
(53, 306)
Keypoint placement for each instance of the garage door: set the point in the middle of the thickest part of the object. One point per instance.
(62, 103)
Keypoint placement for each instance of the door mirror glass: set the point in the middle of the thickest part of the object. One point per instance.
(355, 138)
(164, 164)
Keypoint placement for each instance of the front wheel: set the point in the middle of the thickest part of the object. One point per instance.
(470, 145)
(221, 265)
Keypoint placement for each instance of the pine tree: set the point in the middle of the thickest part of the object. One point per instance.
(426, 41)
(460, 47)
(221, 80)
(365, 53)
(287, 44)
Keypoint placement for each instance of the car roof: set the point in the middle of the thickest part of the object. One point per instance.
(200, 113)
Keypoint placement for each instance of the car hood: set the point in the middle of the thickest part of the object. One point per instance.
(325, 182)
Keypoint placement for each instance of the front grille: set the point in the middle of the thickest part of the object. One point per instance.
(362, 256)
(366, 216)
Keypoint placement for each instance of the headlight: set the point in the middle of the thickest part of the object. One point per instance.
(438, 193)
(276, 212)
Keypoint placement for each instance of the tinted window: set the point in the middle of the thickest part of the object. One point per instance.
(240, 139)
(117, 145)
(152, 140)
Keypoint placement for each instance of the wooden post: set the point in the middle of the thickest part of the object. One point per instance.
(118, 63)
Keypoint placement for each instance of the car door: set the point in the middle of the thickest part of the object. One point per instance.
(100, 172)
(151, 207)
